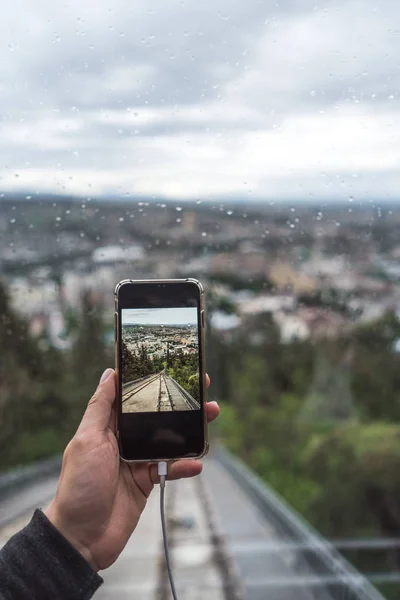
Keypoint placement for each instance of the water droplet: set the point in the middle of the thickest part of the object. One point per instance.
(204, 234)
(12, 220)
(121, 219)
(178, 208)
(229, 212)
(313, 93)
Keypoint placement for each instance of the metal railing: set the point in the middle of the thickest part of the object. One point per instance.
(18, 477)
(194, 404)
(329, 574)
(16, 488)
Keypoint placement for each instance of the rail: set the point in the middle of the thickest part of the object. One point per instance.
(138, 380)
(329, 571)
(24, 488)
(12, 480)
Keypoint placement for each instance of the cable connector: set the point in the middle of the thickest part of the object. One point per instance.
(162, 472)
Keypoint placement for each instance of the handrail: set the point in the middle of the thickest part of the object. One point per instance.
(337, 574)
(19, 476)
(194, 405)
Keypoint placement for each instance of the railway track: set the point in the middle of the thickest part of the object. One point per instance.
(165, 400)
(197, 540)
(180, 397)
(230, 535)
(140, 387)
(164, 395)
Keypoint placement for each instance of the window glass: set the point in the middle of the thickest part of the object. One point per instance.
(254, 146)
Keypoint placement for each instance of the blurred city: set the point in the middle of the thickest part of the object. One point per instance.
(255, 148)
(303, 336)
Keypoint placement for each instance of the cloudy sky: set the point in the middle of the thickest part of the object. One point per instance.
(159, 316)
(201, 99)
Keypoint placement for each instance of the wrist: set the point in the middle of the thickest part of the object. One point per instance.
(54, 517)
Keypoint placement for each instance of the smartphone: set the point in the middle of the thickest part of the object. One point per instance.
(160, 365)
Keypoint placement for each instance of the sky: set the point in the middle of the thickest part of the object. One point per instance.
(159, 316)
(189, 99)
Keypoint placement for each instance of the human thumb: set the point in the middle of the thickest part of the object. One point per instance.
(105, 375)
(98, 411)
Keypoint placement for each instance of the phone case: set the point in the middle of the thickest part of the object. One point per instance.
(203, 357)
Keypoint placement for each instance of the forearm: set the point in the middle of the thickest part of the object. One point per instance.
(38, 563)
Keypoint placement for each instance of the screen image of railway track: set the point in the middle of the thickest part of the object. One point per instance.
(156, 393)
(160, 360)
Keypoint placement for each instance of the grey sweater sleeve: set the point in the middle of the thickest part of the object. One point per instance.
(40, 564)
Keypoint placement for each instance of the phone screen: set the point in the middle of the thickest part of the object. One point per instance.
(160, 370)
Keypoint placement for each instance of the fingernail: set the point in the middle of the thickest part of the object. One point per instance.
(106, 375)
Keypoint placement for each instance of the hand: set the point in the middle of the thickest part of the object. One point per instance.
(99, 498)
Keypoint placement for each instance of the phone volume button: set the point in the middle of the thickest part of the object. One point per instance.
(202, 319)
(116, 326)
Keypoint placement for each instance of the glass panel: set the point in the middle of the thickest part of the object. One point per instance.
(253, 146)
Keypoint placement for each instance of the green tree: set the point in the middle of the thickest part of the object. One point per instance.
(33, 399)
(89, 355)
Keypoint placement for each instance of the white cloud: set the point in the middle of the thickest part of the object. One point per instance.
(201, 100)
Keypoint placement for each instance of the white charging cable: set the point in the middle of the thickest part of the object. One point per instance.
(162, 471)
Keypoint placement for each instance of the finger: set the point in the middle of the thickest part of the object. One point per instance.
(98, 413)
(181, 469)
(207, 380)
(112, 424)
(212, 410)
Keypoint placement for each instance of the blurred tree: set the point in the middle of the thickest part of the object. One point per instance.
(358, 468)
(33, 401)
(88, 354)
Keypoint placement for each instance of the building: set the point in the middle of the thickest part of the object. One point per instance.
(117, 254)
(267, 303)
